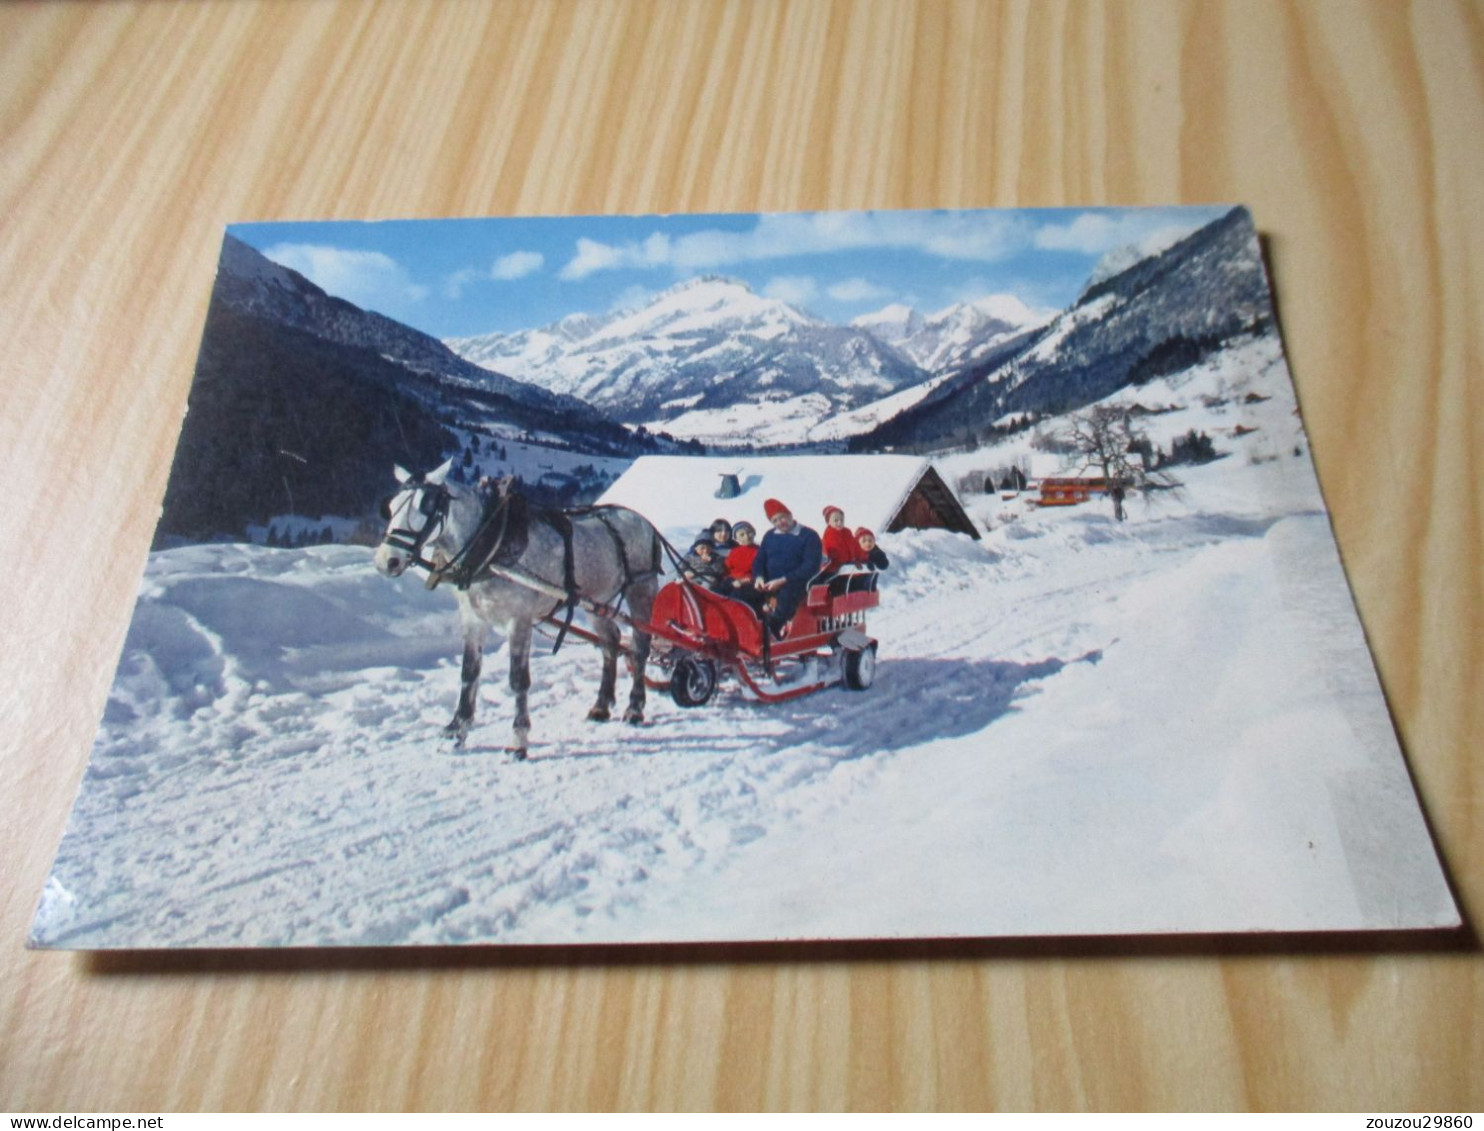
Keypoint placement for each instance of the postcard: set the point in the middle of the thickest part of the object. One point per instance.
(868, 575)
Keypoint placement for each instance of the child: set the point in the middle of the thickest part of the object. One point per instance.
(839, 547)
(739, 561)
(719, 534)
(703, 566)
(867, 552)
(738, 583)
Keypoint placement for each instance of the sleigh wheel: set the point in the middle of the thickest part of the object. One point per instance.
(860, 668)
(693, 681)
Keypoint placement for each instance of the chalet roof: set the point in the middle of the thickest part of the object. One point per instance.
(679, 493)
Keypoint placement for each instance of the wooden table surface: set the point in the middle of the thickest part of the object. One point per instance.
(133, 131)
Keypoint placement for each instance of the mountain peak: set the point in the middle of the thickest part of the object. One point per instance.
(242, 261)
(953, 336)
(696, 282)
(891, 323)
(706, 303)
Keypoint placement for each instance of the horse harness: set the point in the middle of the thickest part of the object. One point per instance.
(500, 539)
(432, 505)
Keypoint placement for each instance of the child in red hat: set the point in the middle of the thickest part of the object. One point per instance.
(839, 546)
(867, 552)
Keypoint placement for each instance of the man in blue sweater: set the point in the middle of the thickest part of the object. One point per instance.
(787, 558)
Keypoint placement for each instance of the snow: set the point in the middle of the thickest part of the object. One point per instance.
(1048, 347)
(1006, 308)
(1121, 259)
(1078, 726)
(956, 335)
(678, 493)
(299, 528)
(644, 365)
(845, 424)
(764, 422)
(698, 305)
(583, 354)
(891, 323)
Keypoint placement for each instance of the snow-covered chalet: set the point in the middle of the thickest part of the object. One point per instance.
(887, 493)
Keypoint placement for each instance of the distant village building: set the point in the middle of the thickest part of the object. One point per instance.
(887, 493)
(1059, 487)
(1069, 490)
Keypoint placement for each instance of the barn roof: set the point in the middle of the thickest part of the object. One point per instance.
(678, 493)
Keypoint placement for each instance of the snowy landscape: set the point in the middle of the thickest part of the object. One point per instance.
(1078, 725)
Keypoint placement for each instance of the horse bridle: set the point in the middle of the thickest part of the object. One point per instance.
(432, 505)
(470, 561)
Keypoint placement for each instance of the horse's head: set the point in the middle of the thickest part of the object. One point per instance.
(416, 516)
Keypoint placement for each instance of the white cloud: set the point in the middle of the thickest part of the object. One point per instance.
(857, 290)
(797, 290)
(988, 237)
(367, 278)
(1093, 233)
(517, 265)
(593, 256)
(453, 286)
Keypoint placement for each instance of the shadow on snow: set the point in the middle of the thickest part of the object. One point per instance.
(913, 701)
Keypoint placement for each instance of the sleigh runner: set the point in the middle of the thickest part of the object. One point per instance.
(698, 638)
(707, 636)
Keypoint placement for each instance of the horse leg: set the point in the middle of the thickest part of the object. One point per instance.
(641, 604)
(463, 717)
(608, 641)
(520, 684)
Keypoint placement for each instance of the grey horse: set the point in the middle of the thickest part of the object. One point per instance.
(483, 539)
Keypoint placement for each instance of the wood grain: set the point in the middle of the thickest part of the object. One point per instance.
(130, 133)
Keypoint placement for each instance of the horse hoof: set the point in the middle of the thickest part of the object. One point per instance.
(516, 752)
(633, 716)
(599, 715)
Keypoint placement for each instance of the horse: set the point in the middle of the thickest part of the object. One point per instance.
(513, 564)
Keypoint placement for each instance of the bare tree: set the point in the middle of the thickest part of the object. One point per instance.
(1105, 440)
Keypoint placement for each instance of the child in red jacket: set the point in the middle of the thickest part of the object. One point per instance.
(738, 581)
(744, 553)
(839, 544)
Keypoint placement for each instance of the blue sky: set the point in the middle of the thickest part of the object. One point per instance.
(462, 277)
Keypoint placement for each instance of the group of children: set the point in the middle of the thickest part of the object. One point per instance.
(723, 557)
(842, 548)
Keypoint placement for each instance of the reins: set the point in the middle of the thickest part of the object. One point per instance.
(499, 541)
(413, 542)
(474, 558)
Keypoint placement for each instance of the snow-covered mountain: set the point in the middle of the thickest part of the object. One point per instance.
(302, 402)
(698, 351)
(955, 336)
(1121, 259)
(251, 283)
(1157, 315)
(894, 324)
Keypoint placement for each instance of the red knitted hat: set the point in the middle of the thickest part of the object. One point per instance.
(831, 509)
(862, 532)
(773, 508)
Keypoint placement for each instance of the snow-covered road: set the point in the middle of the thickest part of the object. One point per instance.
(1077, 726)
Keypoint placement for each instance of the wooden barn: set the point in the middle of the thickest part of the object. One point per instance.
(887, 493)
